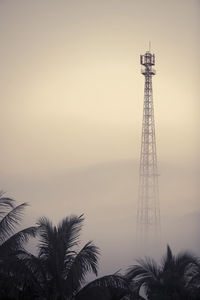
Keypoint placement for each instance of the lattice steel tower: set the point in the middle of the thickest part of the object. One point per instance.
(148, 212)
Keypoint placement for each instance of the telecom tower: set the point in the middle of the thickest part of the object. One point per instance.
(148, 212)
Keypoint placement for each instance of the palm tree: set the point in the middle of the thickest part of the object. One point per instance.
(60, 268)
(11, 242)
(167, 281)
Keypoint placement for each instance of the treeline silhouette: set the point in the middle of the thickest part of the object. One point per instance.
(59, 270)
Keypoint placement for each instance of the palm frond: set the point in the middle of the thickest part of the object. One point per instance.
(10, 220)
(145, 273)
(69, 229)
(145, 268)
(44, 222)
(115, 281)
(167, 260)
(178, 263)
(82, 263)
(47, 237)
(184, 261)
(68, 232)
(169, 253)
(17, 240)
(109, 282)
(6, 202)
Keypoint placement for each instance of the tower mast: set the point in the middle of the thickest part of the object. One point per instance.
(148, 211)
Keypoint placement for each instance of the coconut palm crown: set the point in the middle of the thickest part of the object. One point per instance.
(60, 268)
(166, 281)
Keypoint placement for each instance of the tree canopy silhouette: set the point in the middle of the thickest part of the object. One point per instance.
(60, 268)
(168, 280)
(11, 244)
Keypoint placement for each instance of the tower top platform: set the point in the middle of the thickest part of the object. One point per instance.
(148, 59)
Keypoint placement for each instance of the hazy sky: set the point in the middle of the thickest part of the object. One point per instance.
(71, 88)
(71, 92)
